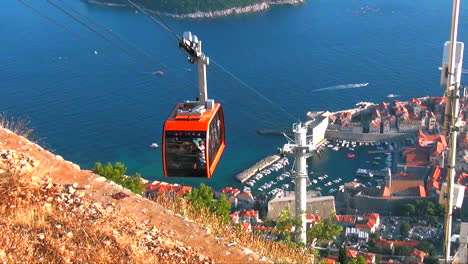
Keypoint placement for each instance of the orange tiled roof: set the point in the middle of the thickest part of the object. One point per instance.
(330, 261)
(387, 192)
(248, 213)
(230, 190)
(411, 243)
(369, 225)
(384, 242)
(374, 216)
(313, 217)
(418, 253)
(261, 228)
(345, 218)
(436, 174)
(163, 187)
(351, 253)
(422, 191)
(369, 257)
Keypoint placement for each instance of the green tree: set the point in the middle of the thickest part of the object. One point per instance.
(405, 227)
(406, 210)
(427, 247)
(401, 250)
(325, 229)
(358, 260)
(343, 257)
(285, 224)
(223, 207)
(116, 173)
(202, 197)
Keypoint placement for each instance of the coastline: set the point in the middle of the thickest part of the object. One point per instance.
(213, 14)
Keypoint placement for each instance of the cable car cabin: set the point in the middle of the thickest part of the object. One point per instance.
(193, 140)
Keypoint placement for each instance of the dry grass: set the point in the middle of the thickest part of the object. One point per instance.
(41, 222)
(275, 251)
(19, 126)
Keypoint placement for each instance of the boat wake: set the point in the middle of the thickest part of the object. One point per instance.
(342, 86)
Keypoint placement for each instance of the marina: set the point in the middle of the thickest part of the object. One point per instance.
(276, 178)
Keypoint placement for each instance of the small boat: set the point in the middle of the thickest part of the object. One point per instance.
(159, 73)
(154, 145)
(351, 155)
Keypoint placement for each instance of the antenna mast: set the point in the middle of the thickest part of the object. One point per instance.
(450, 78)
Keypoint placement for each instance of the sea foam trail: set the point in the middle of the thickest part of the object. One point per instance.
(343, 86)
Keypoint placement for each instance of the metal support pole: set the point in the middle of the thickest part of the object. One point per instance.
(452, 156)
(452, 94)
(202, 61)
(300, 180)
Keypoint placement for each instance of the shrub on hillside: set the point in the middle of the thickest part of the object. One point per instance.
(116, 173)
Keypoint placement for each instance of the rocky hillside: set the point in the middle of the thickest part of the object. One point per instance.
(53, 212)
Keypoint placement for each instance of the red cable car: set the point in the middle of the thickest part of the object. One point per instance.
(193, 136)
(193, 142)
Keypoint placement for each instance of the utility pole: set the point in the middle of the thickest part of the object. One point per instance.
(450, 78)
(300, 149)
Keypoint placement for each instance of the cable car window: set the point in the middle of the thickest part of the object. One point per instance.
(215, 138)
(185, 153)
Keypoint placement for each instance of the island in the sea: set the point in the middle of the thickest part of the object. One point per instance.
(200, 9)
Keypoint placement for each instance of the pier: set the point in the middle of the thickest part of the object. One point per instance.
(260, 165)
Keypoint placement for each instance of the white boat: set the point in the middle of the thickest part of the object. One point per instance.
(154, 145)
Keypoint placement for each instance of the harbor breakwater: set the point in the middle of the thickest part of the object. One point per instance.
(260, 165)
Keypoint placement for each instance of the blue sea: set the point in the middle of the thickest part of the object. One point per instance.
(90, 101)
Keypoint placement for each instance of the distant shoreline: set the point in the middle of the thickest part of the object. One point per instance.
(213, 14)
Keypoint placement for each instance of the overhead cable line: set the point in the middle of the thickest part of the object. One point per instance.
(138, 58)
(168, 28)
(255, 91)
(162, 23)
(97, 33)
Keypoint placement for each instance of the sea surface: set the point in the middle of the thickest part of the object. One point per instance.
(90, 100)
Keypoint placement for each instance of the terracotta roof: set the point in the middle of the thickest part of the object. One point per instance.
(163, 187)
(351, 253)
(384, 242)
(345, 218)
(369, 257)
(386, 192)
(246, 225)
(416, 101)
(313, 217)
(462, 178)
(248, 213)
(375, 123)
(411, 243)
(418, 253)
(410, 186)
(230, 190)
(422, 191)
(368, 225)
(374, 216)
(261, 228)
(436, 174)
(416, 157)
(330, 261)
